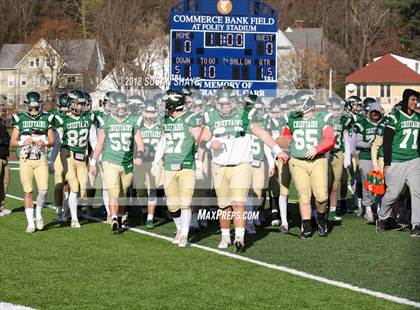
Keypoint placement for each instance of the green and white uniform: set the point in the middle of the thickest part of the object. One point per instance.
(180, 146)
(151, 136)
(119, 142)
(307, 133)
(234, 132)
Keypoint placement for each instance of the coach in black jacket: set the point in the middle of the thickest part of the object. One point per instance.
(4, 165)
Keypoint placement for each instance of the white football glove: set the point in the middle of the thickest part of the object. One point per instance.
(199, 172)
(347, 162)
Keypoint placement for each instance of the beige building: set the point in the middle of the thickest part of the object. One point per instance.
(384, 79)
(49, 68)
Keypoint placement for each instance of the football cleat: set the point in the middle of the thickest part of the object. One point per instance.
(114, 226)
(39, 224)
(305, 233)
(380, 226)
(177, 237)
(275, 222)
(59, 216)
(183, 242)
(150, 225)
(239, 244)
(415, 232)
(75, 224)
(224, 243)
(5, 212)
(30, 229)
(333, 217)
(369, 215)
(250, 229)
(284, 229)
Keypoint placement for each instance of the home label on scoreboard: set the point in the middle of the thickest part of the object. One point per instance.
(217, 48)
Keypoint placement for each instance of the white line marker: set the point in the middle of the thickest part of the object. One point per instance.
(295, 272)
(7, 306)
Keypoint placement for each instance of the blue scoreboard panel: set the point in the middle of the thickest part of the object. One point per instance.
(215, 50)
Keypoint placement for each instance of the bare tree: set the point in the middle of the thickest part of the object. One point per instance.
(368, 16)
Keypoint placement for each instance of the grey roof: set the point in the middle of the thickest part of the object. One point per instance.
(11, 54)
(76, 53)
(306, 38)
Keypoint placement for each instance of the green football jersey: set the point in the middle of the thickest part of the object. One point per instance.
(306, 133)
(276, 126)
(55, 122)
(29, 125)
(405, 143)
(119, 142)
(151, 136)
(257, 144)
(234, 125)
(75, 131)
(340, 124)
(180, 144)
(367, 129)
(99, 118)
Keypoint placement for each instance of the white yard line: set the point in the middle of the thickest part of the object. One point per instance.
(7, 306)
(295, 272)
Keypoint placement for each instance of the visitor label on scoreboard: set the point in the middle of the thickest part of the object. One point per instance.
(220, 50)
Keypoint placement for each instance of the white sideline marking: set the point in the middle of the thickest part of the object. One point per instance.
(7, 306)
(295, 272)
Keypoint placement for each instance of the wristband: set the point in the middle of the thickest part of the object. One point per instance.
(139, 154)
(92, 162)
(276, 150)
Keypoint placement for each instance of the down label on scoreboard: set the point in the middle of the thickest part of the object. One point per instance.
(215, 51)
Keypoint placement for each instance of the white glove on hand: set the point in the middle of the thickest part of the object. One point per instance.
(155, 169)
(347, 162)
(199, 172)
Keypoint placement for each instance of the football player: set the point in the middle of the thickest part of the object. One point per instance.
(366, 131)
(181, 133)
(260, 153)
(228, 130)
(151, 132)
(32, 133)
(402, 159)
(313, 137)
(117, 138)
(55, 165)
(74, 129)
(342, 125)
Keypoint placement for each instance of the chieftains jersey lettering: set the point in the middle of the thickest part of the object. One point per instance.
(367, 130)
(29, 125)
(180, 143)
(306, 133)
(75, 131)
(405, 143)
(234, 132)
(151, 136)
(119, 141)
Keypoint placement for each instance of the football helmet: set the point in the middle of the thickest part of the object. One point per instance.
(63, 105)
(118, 105)
(308, 103)
(136, 104)
(197, 102)
(290, 102)
(335, 105)
(150, 110)
(175, 101)
(226, 103)
(33, 103)
(105, 102)
(77, 101)
(367, 102)
(355, 104)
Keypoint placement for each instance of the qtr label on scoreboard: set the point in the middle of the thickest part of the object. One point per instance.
(224, 50)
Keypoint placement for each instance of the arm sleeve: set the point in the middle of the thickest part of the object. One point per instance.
(269, 156)
(388, 138)
(348, 149)
(160, 149)
(328, 141)
(376, 144)
(93, 136)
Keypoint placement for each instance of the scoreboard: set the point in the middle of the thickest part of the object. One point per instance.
(216, 50)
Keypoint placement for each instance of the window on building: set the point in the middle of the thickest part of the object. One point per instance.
(71, 79)
(364, 89)
(11, 81)
(358, 90)
(382, 91)
(34, 62)
(36, 81)
(388, 91)
(23, 80)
